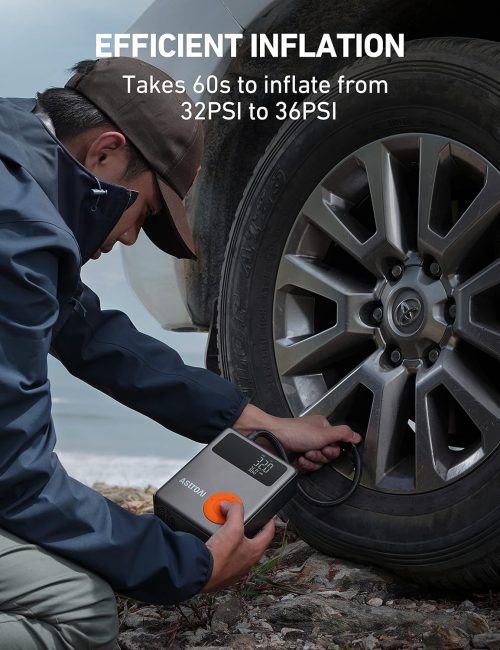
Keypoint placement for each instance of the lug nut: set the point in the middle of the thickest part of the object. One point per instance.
(452, 312)
(433, 355)
(435, 269)
(378, 314)
(397, 271)
(396, 357)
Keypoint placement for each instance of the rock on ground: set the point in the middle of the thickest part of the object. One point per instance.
(298, 598)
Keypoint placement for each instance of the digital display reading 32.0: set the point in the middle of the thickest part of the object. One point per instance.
(249, 459)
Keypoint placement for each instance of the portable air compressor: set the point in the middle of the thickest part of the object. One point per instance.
(230, 468)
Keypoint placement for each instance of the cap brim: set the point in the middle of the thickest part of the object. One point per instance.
(170, 229)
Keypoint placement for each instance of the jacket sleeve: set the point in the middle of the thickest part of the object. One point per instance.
(138, 555)
(104, 349)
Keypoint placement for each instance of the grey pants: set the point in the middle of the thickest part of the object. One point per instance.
(47, 602)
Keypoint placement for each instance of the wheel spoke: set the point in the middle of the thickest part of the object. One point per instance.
(387, 386)
(476, 396)
(349, 295)
(484, 335)
(387, 197)
(434, 461)
(385, 426)
(431, 149)
(311, 352)
(303, 273)
(430, 449)
(450, 249)
(331, 213)
(365, 374)
(324, 209)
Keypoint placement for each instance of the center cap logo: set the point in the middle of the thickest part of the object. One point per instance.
(407, 312)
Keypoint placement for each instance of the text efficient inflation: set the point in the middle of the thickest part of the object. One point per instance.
(261, 45)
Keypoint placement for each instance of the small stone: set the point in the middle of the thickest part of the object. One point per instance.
(348, 594)
(296, 553)
(133, 621)
(228, 612)
(375, 602)
(198, 635)
(316, 570)
(426, 607)
(370, 642)
(219, 627)
(466, 604)
(148, 618)
(243, 628)
(490, 640)
(404, 602)
(474, 623)
(446, 638)
(241, 642)
(266, 626)
(139, 639)
(292, 633)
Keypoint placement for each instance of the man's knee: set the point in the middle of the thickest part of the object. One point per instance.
(72, 605)
(95, 617)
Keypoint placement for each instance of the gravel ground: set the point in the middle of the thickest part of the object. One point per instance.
(299, 598)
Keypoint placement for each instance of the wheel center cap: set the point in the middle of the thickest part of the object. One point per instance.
(414, 309)
(407, 311)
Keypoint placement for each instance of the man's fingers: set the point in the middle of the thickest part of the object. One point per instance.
(331, 452)
(234, 515)
(346, 434)
(265, 536)
(307, 465)
(317, 456)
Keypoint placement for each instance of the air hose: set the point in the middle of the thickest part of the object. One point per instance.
(348, 447)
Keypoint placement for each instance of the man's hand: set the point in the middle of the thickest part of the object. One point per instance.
(233, 553)
(312, 436)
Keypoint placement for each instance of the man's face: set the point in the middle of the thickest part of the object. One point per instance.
(130, 223)
(107, 157)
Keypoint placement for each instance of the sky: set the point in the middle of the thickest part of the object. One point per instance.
(45, 38)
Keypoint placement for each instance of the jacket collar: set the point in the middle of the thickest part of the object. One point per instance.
(90, 207)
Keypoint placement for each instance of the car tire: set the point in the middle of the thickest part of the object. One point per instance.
(411, 181)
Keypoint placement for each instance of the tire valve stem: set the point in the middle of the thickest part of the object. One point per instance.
(396, 357)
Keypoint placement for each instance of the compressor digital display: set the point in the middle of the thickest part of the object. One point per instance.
(252, 461)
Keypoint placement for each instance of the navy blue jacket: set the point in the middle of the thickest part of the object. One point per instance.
(50, 224)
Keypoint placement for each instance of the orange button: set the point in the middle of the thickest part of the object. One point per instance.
(211, 507)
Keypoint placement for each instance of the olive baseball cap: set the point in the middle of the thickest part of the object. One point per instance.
(153, 123)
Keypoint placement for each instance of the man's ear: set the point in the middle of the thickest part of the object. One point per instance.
(107, 156)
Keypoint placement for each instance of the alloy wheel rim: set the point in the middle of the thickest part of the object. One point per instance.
(387, 309)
